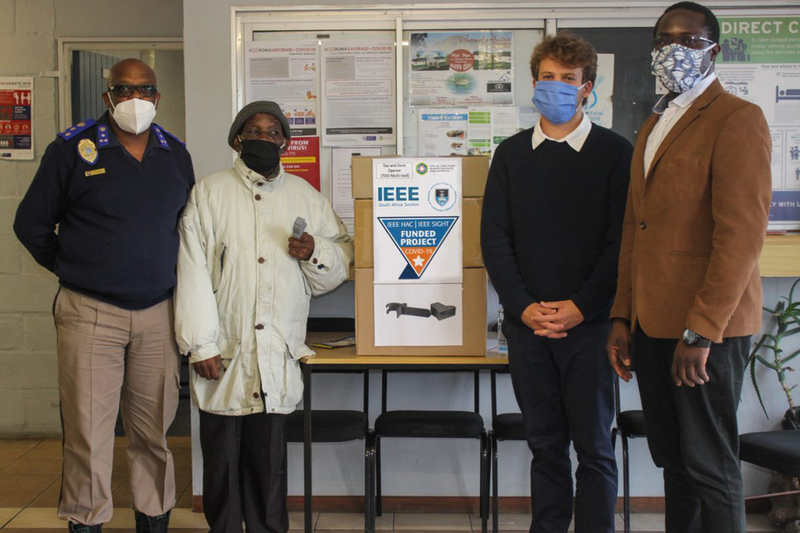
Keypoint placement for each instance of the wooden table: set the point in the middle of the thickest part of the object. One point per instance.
(345, 359)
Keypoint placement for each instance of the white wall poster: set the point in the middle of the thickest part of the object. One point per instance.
(342, 182)
(480, 131)
(285, 73)
(599, 107)
(442, 133)
(417, 205)
(461, 68)
(358, 86)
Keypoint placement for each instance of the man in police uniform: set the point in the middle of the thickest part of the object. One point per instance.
(115, 189)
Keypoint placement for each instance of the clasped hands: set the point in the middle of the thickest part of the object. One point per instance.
(552, 319)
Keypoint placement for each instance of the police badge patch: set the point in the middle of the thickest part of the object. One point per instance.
(88, 151)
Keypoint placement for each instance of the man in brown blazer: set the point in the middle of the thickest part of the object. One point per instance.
(689, 290)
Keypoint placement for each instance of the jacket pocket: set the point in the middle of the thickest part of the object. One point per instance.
(219, 267)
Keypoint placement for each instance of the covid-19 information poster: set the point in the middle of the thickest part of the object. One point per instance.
(16, 118)
(759, 61)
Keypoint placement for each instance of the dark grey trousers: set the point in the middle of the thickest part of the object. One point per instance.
(244, 472)
(693, 434)
(565, 390)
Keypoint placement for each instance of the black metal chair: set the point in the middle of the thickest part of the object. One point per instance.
(776, 450)
(505, 426)
(331, 425)
(337, 425)
(433, 424)
(630, 425)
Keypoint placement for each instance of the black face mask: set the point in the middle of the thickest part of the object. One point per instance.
(260, 156)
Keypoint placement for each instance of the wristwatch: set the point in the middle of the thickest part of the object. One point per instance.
(690, 338)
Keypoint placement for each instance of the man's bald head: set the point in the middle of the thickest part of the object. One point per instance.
(133, 74)
(131, 68)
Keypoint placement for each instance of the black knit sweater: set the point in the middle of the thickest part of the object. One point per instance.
(552, 221)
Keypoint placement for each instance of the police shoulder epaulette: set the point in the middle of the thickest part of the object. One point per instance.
(71, 132)
(170, 134)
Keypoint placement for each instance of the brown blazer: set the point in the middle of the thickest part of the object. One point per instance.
(695, 227)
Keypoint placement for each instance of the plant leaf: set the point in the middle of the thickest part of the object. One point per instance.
(791, 332)
(755, 386)
(790, 357)
(791, 291)
(766, 363)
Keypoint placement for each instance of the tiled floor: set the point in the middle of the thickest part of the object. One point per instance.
(30, 475)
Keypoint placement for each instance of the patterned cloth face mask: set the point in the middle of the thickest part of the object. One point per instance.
(678, 67)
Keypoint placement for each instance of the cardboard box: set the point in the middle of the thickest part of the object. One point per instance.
(473, 316)
(474, 171)
(471, 233)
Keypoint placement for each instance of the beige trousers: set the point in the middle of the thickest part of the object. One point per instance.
(106, 353)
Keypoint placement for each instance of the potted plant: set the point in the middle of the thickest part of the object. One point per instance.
(769, 351)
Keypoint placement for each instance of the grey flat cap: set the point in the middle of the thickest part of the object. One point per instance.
(253, 108)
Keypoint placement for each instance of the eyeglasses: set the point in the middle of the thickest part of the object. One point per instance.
(689, 41)
(255, 133)
(127, 90)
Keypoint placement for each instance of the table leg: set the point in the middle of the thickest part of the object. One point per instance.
(309, 526)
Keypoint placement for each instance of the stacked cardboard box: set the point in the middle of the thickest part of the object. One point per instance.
(473, 312)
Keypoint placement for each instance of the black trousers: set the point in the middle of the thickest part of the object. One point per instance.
(244, 472)
(565, 390)
(693, 435)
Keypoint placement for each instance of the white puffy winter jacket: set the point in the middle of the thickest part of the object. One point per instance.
(240, 294)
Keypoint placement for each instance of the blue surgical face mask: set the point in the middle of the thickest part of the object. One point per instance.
(557, 101)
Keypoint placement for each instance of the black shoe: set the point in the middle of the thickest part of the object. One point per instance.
(80, 528)
(152, 524)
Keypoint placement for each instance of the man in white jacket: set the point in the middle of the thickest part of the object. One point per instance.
(241, 305)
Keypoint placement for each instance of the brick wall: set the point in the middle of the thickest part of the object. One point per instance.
(29, 401)
(28, 378)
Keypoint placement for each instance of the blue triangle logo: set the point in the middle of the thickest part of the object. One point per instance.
(418, 239)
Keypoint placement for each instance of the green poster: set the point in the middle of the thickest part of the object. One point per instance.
(759, 61)
(760, 40)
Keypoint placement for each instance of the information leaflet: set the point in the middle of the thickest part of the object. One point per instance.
(286, 73)
(16, 118)
(417, 205)
(301, 158)
(358, 88)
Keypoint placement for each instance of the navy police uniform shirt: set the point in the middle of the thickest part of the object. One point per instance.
(117, 217)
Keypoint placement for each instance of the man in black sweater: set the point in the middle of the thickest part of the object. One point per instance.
(114, 189)
(550, 234)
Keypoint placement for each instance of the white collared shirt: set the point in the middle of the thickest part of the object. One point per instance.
(575, 139)
(671, 113)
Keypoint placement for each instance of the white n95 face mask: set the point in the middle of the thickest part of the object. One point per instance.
(134, 115)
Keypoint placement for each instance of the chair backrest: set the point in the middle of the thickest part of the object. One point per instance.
(385, 384)
(364, 373)
(494, 389)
